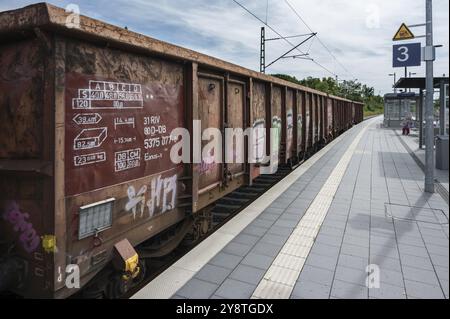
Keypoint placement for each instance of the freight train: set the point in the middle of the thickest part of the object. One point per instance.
(87, 187)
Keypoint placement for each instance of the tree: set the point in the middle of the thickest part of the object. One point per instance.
(352, 90)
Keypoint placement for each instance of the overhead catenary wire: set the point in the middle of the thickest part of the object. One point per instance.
(318, 39)
(282, 37)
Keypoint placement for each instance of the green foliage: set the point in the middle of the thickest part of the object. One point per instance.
(352, 90)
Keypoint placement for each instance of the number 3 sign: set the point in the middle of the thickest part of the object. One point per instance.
(407, 55)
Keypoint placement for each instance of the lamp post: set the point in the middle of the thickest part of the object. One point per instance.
(429, 109)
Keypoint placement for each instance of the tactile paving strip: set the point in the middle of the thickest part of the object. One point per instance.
(280, 279)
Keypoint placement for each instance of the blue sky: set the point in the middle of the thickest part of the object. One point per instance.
(359, 33)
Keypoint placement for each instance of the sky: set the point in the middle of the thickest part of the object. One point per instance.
(357, 35)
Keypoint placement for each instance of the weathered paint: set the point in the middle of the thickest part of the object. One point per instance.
(56, 136)
(289, 126)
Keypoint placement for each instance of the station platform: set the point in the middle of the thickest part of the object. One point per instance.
(411, 143)
(351, 222)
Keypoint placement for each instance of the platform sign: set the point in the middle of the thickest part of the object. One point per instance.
(403, 33)
(405, 55)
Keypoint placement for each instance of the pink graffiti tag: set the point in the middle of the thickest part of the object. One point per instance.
(28, 237)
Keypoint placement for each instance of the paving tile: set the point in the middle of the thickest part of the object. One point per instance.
(291, 217)
(280, 231)
(248, 274)
(357, 232)
(225, 260)
(317, 275)
(358, 241)
(197, 289)
(387, 241)
(413, 250)
(442, 272)
(344, 290)
(420, 275)
(387, 291)
(286, 223)
(381, 250)
(423, 291)
(445, 287)
(438, 241)
(246, 239)
(269, 216)
(331, 231)
(335, 224)
(254, 230)
(354, 250)
(272, 290)
(329, 240)
(310, 290)
(237, 249)
(213, 274)
(262, 223)
(391, 277)
(274, 239)
(267, 249)
(280, 205)
(386, 263)
(351, 275)
(416, 262)
(234, 289)
(438, 250)
(354, 262)
(258, 261)
(428, 232)
(325, 250)
(272, 210)
(413, 241)
(439, 260)
(320, 261)
(336, 217)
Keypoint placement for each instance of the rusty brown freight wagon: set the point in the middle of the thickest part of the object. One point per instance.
(86, 179)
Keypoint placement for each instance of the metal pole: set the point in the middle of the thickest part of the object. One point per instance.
(429, 112)
(421, 120)
(262, 56)
(395, 82)
(442, 130)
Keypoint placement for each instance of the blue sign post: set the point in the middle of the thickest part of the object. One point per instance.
(407, 55)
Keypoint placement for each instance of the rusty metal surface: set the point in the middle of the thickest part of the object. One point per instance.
(276, 118)
(21, 75)
(210, 113)
(301, 125)
(309, 123)
(26, 167)
(258, 119)
(83, 122)
(120, 111)
(289, 124)
(54, 18)
(236, 93)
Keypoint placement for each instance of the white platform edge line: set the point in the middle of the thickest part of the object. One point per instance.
(168, 283)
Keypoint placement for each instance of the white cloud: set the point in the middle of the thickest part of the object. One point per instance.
(222, 29)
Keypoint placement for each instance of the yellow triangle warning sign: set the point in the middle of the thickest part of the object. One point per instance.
(404, 33)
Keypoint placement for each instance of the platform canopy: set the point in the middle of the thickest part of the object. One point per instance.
(418, 83)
